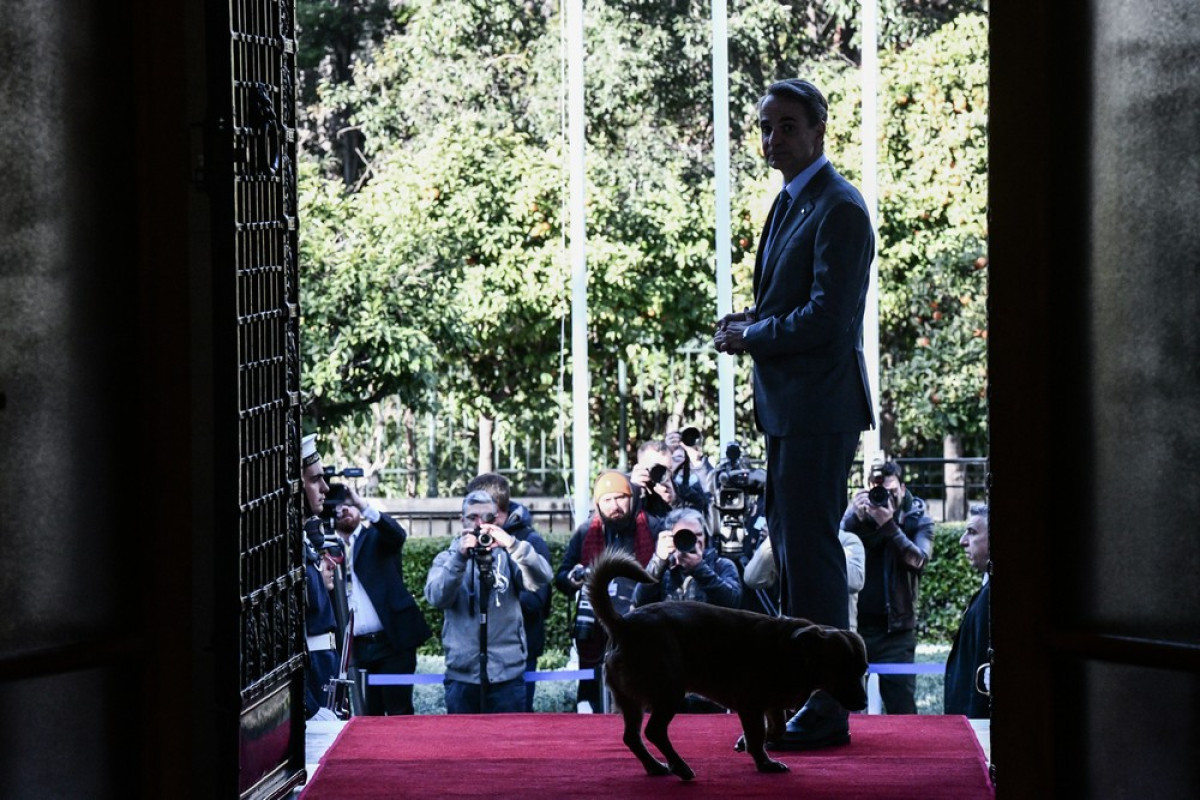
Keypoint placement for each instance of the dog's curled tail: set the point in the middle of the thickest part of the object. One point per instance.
(612, 564)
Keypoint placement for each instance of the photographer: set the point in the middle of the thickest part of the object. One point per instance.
(654, 476)
(477, 582)
(387, 624)
(535, 604)
(897, 535)
(686, 568)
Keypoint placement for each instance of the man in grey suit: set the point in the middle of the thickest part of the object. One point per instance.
(811, 396)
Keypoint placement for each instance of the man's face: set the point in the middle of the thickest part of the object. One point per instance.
(789, 142)
(315, 487)
(652, 458)
(478, 513)
(895, 489)
(974, 542)
(614, 507)
(348, 518)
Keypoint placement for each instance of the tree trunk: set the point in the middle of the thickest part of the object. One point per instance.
(487, 429)
(412, 464)
(954, 476)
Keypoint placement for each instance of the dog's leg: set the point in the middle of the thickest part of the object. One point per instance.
(754, 738)
(775, 723)
(656, 732)
(633, 740)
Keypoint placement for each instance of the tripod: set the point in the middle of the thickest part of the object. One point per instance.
(487, 579)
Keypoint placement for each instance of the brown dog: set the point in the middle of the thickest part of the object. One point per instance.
(752, 664)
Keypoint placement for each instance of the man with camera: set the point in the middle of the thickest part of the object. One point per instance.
(897, 535)
(535, 604)
(388, 627)
(686, 568)
(654, 477)
(618, 522)
(477, 582)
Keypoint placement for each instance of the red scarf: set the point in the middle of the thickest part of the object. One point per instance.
(643, 541)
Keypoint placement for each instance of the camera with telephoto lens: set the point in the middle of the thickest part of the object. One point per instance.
(690, 437)
(878, 495)
(684, 541)
(585, 615)
(657, 473)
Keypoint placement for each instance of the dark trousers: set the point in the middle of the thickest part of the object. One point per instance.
(899, 692)
(379, 657)
(591, 656)
(530, 687)
(322, 667)
(805, 497)
(502, 698)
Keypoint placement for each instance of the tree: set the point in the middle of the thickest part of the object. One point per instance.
(438, 279)
(932, 237)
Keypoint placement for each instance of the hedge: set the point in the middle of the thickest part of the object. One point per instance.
(946, 587)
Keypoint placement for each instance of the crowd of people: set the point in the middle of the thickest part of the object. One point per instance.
(779, 540)
(499, 561)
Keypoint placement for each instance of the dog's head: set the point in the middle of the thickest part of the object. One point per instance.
(837, 662)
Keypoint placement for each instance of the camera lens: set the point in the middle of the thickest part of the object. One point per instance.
(878, 496)
(690, 436)
(657, 473)
(684, 540)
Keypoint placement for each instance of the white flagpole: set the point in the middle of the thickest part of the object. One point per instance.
(581, 433)
(720, 75)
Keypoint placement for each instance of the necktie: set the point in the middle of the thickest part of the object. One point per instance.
(781, 207)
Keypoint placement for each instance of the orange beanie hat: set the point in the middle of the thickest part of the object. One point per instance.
(611, 482)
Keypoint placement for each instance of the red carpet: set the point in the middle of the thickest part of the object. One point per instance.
(581, 755)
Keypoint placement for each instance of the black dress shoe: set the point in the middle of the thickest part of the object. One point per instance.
(807, 731)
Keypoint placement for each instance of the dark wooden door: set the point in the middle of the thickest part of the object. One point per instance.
(253, 191)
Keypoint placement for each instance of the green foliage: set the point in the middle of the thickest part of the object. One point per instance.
(437, 279)
(932, 236)
(946, 586)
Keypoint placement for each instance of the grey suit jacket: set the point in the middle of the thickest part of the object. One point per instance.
(810, 376)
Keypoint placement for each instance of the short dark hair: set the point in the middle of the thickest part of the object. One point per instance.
(889, 468)
(495, 485)
(816, 107)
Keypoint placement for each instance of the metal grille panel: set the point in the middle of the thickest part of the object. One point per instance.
(262, 53)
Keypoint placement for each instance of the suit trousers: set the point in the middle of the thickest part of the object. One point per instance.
(805, 496)
(381, 658)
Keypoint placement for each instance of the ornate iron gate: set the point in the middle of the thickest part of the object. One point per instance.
(253, 190)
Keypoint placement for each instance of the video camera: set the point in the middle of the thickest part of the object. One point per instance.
(735, 483)
(345, 472)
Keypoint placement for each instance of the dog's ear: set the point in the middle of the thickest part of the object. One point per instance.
(809, 641)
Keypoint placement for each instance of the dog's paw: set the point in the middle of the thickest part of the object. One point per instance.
(683, 771)
(740, 745)
(771, 765)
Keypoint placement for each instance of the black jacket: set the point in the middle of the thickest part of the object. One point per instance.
(906, 548)
(378, 560)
